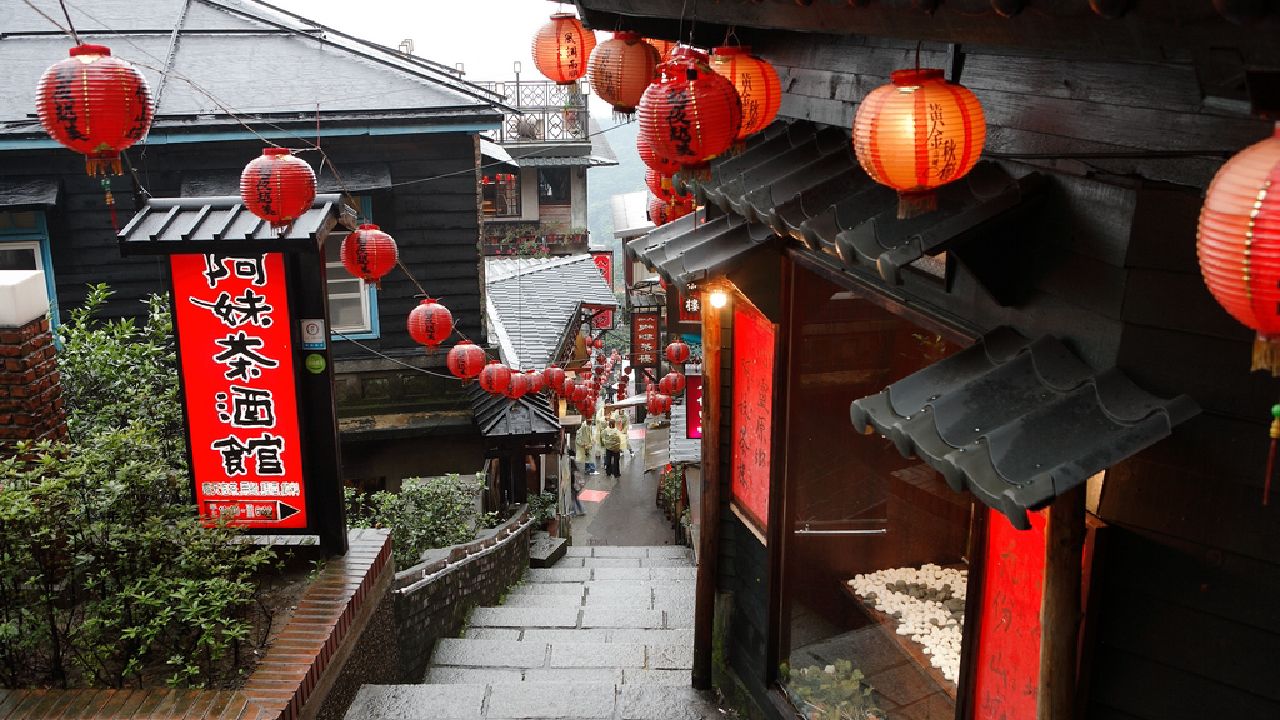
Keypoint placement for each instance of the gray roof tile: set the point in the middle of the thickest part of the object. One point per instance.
(535, 302)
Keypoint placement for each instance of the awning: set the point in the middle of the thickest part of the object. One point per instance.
(562, 161)
(681, 449)
(1018, 422)
(706, 250)
(356, 178)
(494, 152)
(28, 193)
(528, 423)
(630, 215)
(165, 226)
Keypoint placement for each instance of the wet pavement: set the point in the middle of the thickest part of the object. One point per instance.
(628, 514)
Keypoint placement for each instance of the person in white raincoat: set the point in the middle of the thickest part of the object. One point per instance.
(583, 441)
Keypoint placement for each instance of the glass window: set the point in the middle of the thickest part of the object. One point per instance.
(352, 301)
(501, 193)
(876, 562)
(20, 255)
(553, 186)
(24, 245)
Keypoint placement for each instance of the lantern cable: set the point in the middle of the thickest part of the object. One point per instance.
(70, 33)
(70, 25)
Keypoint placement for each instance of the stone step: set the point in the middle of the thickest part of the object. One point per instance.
(506, 700)
(624, 551)
(617, 676)
(647, 652)
(663, 575)
(611, 562)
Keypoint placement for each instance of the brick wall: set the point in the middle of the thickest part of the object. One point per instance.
(433, 599)
(30, 394)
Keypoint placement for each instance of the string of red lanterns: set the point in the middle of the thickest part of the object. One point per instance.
(430, 323)
(369, 253)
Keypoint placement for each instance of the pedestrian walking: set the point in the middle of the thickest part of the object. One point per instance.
(582, 443)
(576, 483)
(611, 439)
(623, 423)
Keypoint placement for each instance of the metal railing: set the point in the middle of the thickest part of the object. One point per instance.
(548, 112)
(536, 244)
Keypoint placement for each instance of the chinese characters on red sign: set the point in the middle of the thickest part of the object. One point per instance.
(753, 338)
(690, 308)
(644, 340)
(232, 316)
(604, 261)
(693, 396)
(1007, 671)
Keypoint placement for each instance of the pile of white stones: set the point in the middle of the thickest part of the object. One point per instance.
(928, 603)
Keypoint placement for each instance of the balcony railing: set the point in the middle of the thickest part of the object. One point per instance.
(548, 112)
(535, 244)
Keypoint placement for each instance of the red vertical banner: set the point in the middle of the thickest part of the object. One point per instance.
(604, 260)
(693, 397)
(1007, 656)
(238, 377)
(690, 308)
(644, 341)
(753, 350)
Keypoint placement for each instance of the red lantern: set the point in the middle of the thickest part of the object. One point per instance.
(518, 386)
(756, 82)
(598, 343)
(664, 47)
(918, 133)
(537, 381)
(658, 404)
(661, 187)
(277, 186)
(561, 49)
(661, 212)
(495, 377)
(555, 379)
(650, 157)
(675, 383)
(1239, 244)
(465, 360)
(690, 113)
(430, 323)
(664, 385)
(368, 253)
(621, 68)
(96, 105)
(677, 352)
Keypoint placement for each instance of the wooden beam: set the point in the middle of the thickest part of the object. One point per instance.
(709, 533)
(1060, 606)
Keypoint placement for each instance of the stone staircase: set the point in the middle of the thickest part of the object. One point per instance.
(606, 633)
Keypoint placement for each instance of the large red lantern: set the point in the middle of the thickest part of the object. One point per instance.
(756, 82)
(650, 157)
(691, 114)
(495, 377)
(674, 383)
(430, 323)
(465, 360)
(1239, 244)
(537, 381)
(661, 212)
(561, 49)
(518, 386)
(661, 187)
(677, 352)
(918, 133)
(621, 68)
(94, 104)
(658, 404)
(368, 253)
(277, 186)
(555, 379)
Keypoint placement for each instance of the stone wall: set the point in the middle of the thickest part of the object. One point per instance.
(434, 598)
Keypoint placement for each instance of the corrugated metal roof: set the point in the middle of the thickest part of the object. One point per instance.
(535, 302)
(1018, 422)
(682, 449)
(223, 225)
(576, 160)
(226, 50)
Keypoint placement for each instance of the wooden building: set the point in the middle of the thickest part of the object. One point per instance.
(1027, 396)
(397, 135)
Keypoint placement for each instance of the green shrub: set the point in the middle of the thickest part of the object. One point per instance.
(542, 507)
(106, 575)
(427, 513)
(670, 491)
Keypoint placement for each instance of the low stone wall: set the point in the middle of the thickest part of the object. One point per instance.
(434, 598)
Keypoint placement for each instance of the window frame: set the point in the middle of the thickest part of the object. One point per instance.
(495, 184)
(372, 329)
(38, 239)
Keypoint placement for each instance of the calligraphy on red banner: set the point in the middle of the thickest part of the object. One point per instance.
(753, 340)
(693, 396)
(604, 260)
(644, 340)
(232, 317)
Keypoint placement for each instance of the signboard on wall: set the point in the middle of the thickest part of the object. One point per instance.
(693, 396)
(753, 351)
(604, 260)
(1007, 669)
(240, 391)
(690, 307)
(645, 352)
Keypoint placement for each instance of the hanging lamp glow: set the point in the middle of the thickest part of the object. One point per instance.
(756, 82)
(918, 133)
(561, 49)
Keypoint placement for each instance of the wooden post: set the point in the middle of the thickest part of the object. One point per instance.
(1060, 606)
(709, 533)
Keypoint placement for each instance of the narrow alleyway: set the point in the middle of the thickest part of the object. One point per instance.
(606, 633)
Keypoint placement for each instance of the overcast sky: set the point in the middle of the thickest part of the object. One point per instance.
(486, 36)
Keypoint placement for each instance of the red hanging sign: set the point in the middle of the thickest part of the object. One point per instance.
(238, 377)
(690, 308)
(604, 260)
(753, 338)
(693, 399)
(644, 340)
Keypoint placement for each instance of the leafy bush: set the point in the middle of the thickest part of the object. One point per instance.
(834, 692)
(670, 491)
(106, 575)
(542, 507)
(427, 513)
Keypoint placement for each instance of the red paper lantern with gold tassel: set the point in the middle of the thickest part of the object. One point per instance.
(94, 104)
(621, 68)
(918, 133)
(430, 323)
(661, 212)
(756, 82)
(561, 49)
(369, 254)
(690, 113)
(465, 360)
(278, 186)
